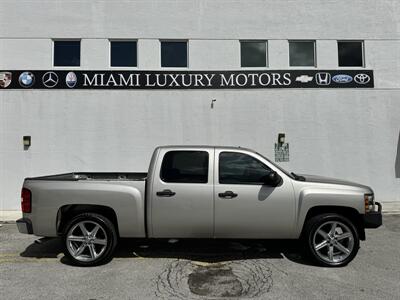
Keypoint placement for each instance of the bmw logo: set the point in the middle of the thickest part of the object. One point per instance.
(26, 79)
(71, 79)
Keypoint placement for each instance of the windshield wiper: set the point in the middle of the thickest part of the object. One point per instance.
(298, 177)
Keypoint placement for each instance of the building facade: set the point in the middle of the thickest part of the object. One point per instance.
(350, 132)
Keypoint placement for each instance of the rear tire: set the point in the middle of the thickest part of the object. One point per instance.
(89, 240)
(331, 240)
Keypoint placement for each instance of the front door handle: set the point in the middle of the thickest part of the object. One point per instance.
(227, 195)
(165, 193)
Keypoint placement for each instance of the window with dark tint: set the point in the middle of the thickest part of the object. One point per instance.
(239, 168)
(253, 53)
(123, 54)
(350, 54)
(302, 53)
(174, 54)
(185, 166)
(67, 53)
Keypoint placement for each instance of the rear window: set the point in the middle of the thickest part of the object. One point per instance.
(185, 167)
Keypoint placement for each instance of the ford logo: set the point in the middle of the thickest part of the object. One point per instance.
(342, 78)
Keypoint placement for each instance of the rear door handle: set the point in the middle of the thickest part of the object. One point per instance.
(227, 195)
(165, 193)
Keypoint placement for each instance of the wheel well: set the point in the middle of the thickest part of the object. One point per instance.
(67, 212)
(350, 213)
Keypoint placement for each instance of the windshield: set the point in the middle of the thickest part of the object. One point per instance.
(278, 167)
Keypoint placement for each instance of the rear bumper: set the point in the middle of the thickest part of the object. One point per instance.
(373, 219)
(24, 226)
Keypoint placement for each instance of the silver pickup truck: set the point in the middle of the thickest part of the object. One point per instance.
(199, 192)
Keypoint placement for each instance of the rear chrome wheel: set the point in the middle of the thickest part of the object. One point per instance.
(332, 240)
(86, 241)
(90, 240)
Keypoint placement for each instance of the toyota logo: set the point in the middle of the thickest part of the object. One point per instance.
(50, 79)
(362, 78)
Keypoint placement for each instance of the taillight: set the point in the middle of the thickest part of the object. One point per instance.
(26, 200)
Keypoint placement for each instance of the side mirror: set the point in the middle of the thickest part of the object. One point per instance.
(273, 179)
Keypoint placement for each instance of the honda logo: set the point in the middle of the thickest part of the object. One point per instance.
(323, 78)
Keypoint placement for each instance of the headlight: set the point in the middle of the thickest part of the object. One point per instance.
(369, 202)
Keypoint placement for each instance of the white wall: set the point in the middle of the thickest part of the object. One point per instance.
(348, 133)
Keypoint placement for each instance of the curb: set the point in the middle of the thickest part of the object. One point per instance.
(9, 216)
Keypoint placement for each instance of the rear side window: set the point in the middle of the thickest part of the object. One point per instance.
(185, 167)
(240, 168)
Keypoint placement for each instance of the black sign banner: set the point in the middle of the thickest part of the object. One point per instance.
(112, 79)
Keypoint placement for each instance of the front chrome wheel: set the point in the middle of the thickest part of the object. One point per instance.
(333, 242)
(86, 241)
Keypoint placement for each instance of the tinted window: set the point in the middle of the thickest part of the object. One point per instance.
(238, 168)
(350, 54)
(123, 54)
(67, 53)
(301, 53)
(253, 54)
(185, 166)
(174, 54)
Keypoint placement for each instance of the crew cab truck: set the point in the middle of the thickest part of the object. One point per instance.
(199, 192)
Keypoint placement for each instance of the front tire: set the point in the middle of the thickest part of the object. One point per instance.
(90, 240)
(331, 240)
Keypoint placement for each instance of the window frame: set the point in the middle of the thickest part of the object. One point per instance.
(110, 53)
(266, 54)
(363, 66)
(177, 182)
(66, 40)
(242, 153)
(187, 52)
(314, 53)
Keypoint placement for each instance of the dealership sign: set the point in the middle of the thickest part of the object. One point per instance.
(71, 79)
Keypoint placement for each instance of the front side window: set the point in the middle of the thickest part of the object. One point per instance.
(174, 54)
(185, 167)
(67, 53)
(302, 53)
(239, 168)
(123, 53)
(253, 53)
(351, 54)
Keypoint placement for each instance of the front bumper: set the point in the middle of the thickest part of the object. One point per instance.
(24, 226)
(373, 219)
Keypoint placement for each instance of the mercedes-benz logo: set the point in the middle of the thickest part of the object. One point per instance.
(50, 79)
(362, 78)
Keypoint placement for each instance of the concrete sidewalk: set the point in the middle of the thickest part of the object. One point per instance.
(9, 216)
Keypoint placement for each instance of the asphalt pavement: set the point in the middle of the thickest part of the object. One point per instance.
(35, 268)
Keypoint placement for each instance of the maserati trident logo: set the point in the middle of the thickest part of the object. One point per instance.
(323, 78)
(50, 79)
(71, 79)
(362, 78)
(26, 79)
(5, 79)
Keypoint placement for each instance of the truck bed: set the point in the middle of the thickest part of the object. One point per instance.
(75, 176)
